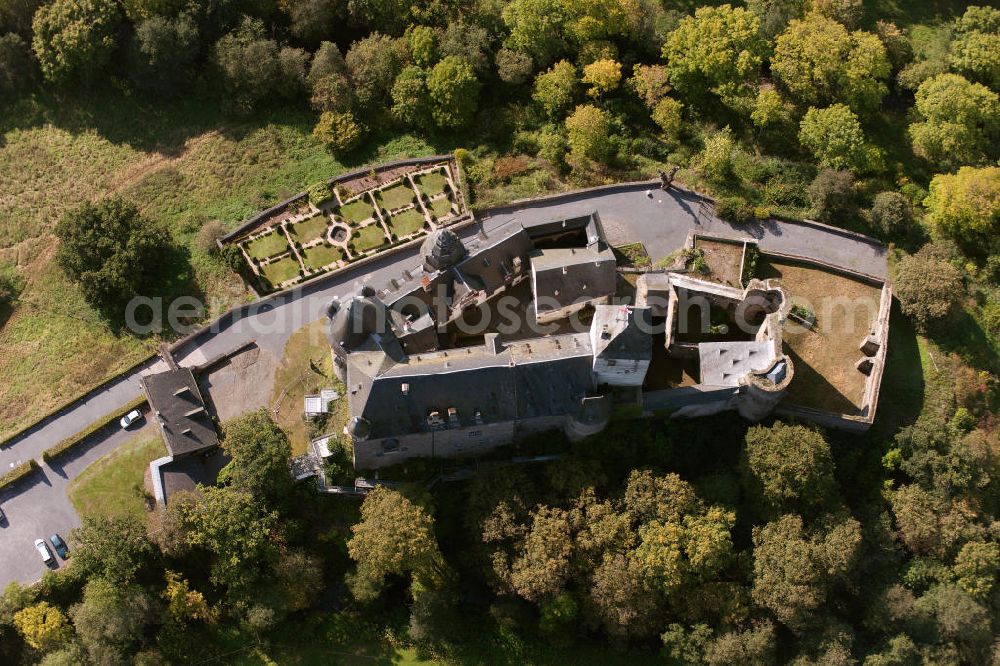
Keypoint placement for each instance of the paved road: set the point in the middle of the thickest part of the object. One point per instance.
(661, 222)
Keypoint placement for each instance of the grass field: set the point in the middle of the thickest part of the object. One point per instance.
(295, 378)
(441, 208)
(407, 222)
(432, 183)
(314, 227)
(368, 238)
(320, 255)
(357, 212)
(395, 197)
(184, 163)
(283, 269)
(268, 245)
(112, 485)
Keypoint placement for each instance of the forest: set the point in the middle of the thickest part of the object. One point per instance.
(710, 541)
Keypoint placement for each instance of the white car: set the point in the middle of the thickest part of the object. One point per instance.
(130, 418)
(43, 550)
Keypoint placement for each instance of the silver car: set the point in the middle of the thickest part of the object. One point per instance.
(130, 418)
(44, 551)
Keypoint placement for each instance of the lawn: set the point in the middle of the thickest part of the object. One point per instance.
(432, 183)
(408, 222)
(321, 255)
(395, 197)
(184, 163)
(314, 227)
(441, 208)
(283, 269)
(112, 486)
(369, 238)
(268, 245)
(357, 212)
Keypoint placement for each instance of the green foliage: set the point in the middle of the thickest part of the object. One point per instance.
(74, 39)
(162, 54)
(774, 15)
(603, 77)
(113, 252)
(650, 82)
(423, 44)
(251, 66)
(892, 215)
(514, 67)
(976, 49)
(16, 67)
(43, 626)
(961, 121)
(734, 209)
(790, 466)
(411, 102)
(260, 454)
(556, 89)
(835, 138)
(928, 287)
(667, 115)
(454, 91)
(111, 618)
(716, 158)
(536, 28)
(373, 63)
(718, 49)
(820, 63)
(965, 207)
(339, 132)
(976, 568)
(833, 196)
(588, 131)
(113, 547)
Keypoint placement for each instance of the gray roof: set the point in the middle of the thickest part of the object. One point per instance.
(573, 275)
(180, 411)
(725, 363)
(540, 377)
(493, 265)
(442, 249)
(623, 332)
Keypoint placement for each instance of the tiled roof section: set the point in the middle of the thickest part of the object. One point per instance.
(180, 411)
(494, 264)
(725, 363)
(623, 332)
(545, 376)
(572, 275)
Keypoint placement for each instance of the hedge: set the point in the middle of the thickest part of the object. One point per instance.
(21, 471)
(65, 445)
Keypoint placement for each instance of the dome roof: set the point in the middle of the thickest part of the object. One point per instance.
(358, 428)
(352, 324)
(442, 249)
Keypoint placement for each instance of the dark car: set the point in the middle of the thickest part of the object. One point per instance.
(59, 545)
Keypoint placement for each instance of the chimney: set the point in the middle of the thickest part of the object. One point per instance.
(493, 344)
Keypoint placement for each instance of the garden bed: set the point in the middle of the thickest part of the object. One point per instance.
(395, 197)
(267, 245)
(356, 212)
(441, 208)
(314, 227)
(279, 271)
(407, 222)
(369, 238)
(432, 183)
(321, 255)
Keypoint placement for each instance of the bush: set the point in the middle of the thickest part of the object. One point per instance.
(339, 132)
(74, 39)
(17, 473)
(734, 209)
(928, 287)
(833, 196)
(716, 159)
(891, 215)
(209, 235)
(69, 443)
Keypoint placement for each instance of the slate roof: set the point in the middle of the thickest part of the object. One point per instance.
(572, 275)
(725, 363)
(540, 377)
(180, 411)
(492, 265)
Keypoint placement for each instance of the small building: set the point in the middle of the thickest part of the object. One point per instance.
(623, 344)
(565, 280)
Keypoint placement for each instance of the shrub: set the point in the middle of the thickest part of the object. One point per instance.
(589, 132)
(17, 473)
(208, 236)
(928, 287)
(667, 114)
(74, 39)
(833, 196)
(734, 209)
(716, 159)
(67, 444)
(339, 132)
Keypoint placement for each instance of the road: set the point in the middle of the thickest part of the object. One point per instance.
(661, 221)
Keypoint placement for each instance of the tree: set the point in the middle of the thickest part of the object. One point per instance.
(536, 28)
(423, 43)
(74, 39)
(976, 568)
(373, 63)
(411, 102)
(675, 553)
(394, 537)
(542, 568)
(620, 601)
(716, 158)
(847, 12)
(790, 465)
(339, 132)
(774, 15)
(793, 568)
(112, 251)
(470, 42)
(329, 86)
(454, 91)
(43, 626)
(312, 20)
(260, 453)
(588, 130)
(754, 647)
(114, 547)
(556, 88)
(651, 83)
(959, 622)
(892, 215)
(603, 76)
(976, 48)
(833, 196)
(928, 287)
(719, 50)
(293, 64)
(16, 67)
(965, 207)
(514, 67)
(184, 604)
(961, 121)
(820, 63)
(240, 534)
(162, 53)
(111, 617)
(667, 114)
(299, 577)
(835, 138)
(248, 64)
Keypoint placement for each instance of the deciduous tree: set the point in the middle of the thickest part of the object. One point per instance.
(961, 121)
(339, 132)
(790, 465)
(965, 207)
(835, 138)
(589, 133)
(928, 287)
(114, 548)
(603, 77)
(260, 453)
(43, 626)
(556, 88)
(74, 39)
(454, 91)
